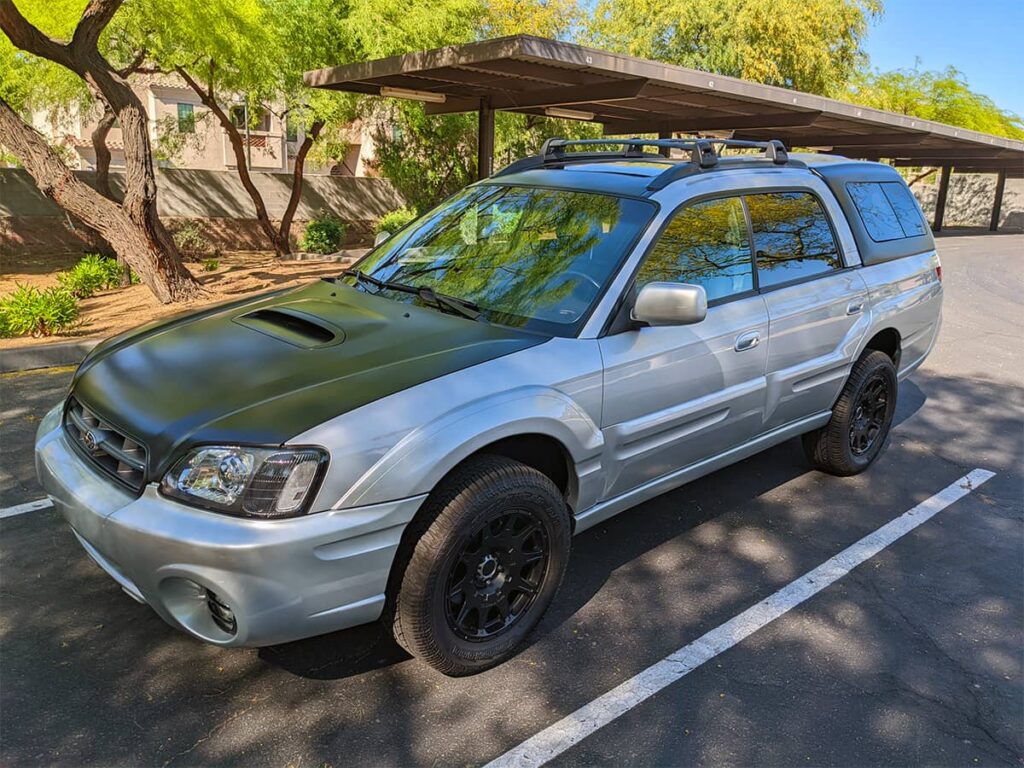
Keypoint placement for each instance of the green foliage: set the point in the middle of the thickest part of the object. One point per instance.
(29, 310)
(428, 158)
(809, 45)
(211, 265)
(324, 234)
(943, 96)
(92, 273)
(392, 221)
(190, 240)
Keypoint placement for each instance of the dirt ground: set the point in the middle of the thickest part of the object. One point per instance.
(110, 312)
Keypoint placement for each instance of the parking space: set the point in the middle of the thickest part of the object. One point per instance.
(913, 657)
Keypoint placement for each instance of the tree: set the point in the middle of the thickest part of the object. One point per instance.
(430, 157)
(809, 45)
(132, 226)
(944, 96)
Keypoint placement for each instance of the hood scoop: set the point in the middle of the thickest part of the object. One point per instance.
(293, 326)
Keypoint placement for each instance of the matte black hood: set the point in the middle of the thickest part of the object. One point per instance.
(264, 370)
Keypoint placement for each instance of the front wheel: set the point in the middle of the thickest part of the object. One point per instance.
(485, 571)
(860, 421)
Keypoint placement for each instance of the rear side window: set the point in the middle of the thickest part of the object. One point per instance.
(792, 237)
(704, 244)
(887, 209)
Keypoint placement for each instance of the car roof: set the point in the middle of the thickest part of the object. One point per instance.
(633, 176)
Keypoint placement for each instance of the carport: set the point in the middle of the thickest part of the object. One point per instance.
(631, 96)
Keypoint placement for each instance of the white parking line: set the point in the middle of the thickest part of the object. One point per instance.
(21, 509)
(570, 730)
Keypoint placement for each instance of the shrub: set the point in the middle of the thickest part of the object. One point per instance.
(41, 313)
(395, 220)
(211, 265)
(191, 241)
(324, 234)
(92, 273)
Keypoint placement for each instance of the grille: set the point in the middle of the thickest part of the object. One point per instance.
(108, 449)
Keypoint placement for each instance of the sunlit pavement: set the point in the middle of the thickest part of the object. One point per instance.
(913, 657)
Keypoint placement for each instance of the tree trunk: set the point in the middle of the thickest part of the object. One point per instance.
(165, 275)
(206, 95)
(284, 233)
(102, 152)
(133, 227)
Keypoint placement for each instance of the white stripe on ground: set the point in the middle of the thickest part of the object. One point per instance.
(21, 509)
(557, 738)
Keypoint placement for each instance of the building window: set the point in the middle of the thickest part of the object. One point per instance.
(186, 118)
(257, 122)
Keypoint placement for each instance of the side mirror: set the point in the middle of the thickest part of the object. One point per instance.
(670, 304)
(381, 237)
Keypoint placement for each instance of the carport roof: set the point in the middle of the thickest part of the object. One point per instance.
(630, 95)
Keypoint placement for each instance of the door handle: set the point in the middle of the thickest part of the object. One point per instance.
(855, 307)
(747, 341)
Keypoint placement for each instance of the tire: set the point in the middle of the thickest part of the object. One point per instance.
(486, 569)
(860, 423)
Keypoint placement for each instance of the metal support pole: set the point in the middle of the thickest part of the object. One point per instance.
(997, 203)
(665, 150)
(485, 140)
(940, 202)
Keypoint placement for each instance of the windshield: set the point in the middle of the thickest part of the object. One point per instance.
(531, 258)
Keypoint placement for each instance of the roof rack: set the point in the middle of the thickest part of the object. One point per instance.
(702, 154)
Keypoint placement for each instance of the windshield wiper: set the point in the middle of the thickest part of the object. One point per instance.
(424, 293)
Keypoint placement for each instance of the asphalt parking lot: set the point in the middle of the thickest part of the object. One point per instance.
(914, 657)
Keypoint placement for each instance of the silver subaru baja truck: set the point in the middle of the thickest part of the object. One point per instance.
(418, 439)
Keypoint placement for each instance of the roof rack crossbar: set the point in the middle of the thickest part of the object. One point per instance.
(702, 153)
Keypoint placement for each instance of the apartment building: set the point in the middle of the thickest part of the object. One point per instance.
(185, 135)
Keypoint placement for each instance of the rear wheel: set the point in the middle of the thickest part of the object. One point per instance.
(861, 419)
(486, 569)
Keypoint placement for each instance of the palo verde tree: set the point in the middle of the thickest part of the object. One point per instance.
(256, 51)
(944, 96)
(132, 227)
(430, 157)
(809, 45)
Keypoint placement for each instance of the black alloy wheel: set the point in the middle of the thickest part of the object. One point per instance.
(496, 578)
(869, 414)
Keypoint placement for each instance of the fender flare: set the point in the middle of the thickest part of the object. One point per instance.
(423, 457)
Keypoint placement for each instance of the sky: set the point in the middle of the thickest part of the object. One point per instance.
(984, 39)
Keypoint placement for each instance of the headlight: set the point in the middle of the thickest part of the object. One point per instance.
(254, 482)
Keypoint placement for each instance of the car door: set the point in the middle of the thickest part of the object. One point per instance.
(674, 395)
(816, 307)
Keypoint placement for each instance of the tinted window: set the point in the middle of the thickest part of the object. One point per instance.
(875, 211)
(528, 257)
(704, 244)
(887, 209)
(906, 208)
(792, 237)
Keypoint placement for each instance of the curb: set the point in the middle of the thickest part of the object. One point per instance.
(45, 355)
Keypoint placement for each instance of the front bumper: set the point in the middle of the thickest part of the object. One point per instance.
(282, 579)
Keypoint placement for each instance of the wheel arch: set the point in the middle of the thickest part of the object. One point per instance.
(889, 341)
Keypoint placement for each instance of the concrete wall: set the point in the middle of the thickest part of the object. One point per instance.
(970, 201)
(215, 199)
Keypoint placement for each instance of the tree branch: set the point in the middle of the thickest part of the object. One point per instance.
(135, 65)
(296, 193)
(95, 18)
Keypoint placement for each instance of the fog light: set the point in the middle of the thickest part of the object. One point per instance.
(221, 613)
